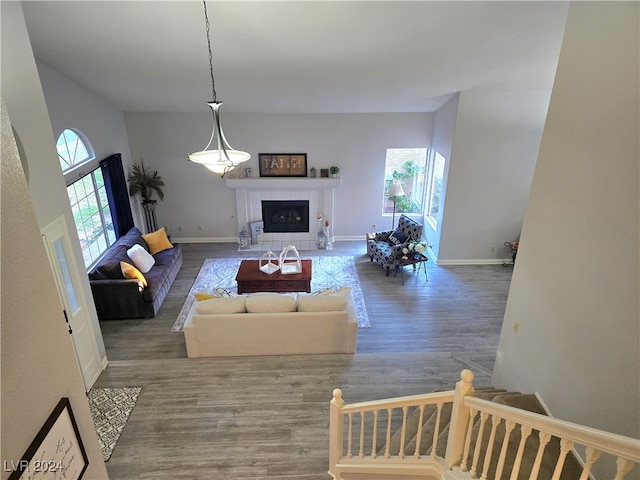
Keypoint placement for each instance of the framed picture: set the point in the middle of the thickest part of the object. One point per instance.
(324, 173)
(56, 452)
(283, 164)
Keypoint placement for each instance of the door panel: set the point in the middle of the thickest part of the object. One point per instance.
(66, 273)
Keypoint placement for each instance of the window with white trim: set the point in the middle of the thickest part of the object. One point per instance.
(408, 165)
(73, 149)
(435, 175)
(87, 197)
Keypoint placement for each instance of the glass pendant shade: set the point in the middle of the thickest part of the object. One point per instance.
(223, 158)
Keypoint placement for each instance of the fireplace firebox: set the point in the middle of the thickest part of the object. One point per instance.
(284, 216)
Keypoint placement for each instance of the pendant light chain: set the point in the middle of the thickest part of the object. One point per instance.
(224, 158)
(208, 26)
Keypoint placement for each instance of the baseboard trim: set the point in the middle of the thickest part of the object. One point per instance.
(542, 404)
(473, 366)
(204, 239)
(432, 257)
(474, 261)
(350, 238)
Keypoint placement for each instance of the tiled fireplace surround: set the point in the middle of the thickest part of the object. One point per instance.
(251, 191)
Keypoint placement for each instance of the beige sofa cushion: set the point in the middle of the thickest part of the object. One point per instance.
(321, 304)
(330, 301)
(267, 302)
(222, 305)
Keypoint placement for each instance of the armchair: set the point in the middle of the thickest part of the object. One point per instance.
(386, 247)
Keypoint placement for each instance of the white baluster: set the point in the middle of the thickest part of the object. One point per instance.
(495, 421)
(349, 452)
(524, 432)
(565, 448)
(436, 432)
(387, 451)
(416, 454)
(375, 433)
(403, 431)
(361, 453)
(509, 426)
(592, 457)
(476, 453)
(544, 439)
(623, 466)
(467, 441)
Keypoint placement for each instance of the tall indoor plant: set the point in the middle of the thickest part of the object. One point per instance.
(145, 181)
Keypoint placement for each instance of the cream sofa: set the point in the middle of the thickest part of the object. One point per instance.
(272, 324)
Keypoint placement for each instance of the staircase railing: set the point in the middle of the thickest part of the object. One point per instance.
(361, 435)
(373, 438)
(503, 421)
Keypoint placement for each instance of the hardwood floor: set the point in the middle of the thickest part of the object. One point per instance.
(267, 417)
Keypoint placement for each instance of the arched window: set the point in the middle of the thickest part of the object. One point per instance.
(73, 149)
(87, 197)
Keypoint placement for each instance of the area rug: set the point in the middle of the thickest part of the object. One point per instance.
(110, 409)
(328, 271)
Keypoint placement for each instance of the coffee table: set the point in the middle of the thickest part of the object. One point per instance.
(251, 279)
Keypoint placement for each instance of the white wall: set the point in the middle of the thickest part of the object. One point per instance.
(39, 366)
(575, 288)
(23, 93)
(38, 361)
(357, 143)
(72, 106)
(443, 131)
(491, 164)
(509, 125)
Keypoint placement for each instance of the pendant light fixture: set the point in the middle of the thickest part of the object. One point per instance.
(222, 157)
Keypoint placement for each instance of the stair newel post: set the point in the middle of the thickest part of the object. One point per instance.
(459, 420)
(336, 431)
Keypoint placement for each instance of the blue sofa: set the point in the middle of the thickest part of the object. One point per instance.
(117, 297)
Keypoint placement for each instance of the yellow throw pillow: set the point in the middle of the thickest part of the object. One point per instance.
(131, 272)
(157, 241)
(204, 295)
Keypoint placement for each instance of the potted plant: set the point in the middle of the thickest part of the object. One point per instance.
(334, 171)
(145, 181)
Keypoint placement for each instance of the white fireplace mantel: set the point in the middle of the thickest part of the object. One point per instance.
(251, 191)
(284, 183)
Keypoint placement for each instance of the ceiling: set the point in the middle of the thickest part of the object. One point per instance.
(297, 56)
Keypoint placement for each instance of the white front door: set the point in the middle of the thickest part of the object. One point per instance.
(65, 272)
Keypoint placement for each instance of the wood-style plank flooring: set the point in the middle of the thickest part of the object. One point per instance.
(267, 417)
